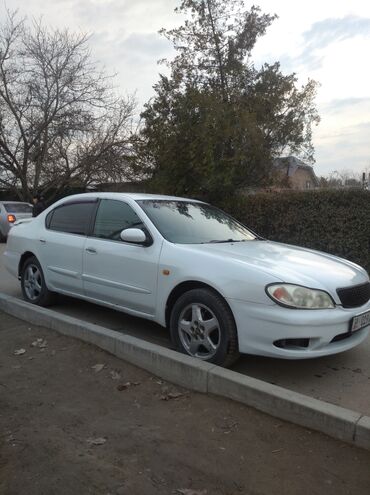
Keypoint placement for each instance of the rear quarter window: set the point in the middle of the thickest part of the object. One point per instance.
(72, 218)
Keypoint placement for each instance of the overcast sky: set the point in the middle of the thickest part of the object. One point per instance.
(327, 40)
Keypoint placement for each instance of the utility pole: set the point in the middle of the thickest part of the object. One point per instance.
(365, 183)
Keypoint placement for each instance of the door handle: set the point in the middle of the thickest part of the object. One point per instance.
(43, 241)
(91, 250)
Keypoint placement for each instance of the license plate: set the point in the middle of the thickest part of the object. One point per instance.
(360, 321)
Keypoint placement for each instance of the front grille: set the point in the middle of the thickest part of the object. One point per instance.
(355, 296)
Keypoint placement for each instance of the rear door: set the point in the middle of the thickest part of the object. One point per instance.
(62, 243)
(117, 272)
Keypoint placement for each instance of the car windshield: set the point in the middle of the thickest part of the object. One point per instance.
(18, 207)
(187, 222)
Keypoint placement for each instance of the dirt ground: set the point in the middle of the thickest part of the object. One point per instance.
(75, 420)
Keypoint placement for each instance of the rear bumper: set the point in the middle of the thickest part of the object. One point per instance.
(11, 262)
(263, 328)
(6, 226)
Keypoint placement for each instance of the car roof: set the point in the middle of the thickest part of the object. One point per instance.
(134, 196)
(14, 202)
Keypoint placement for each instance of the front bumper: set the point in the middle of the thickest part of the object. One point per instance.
(262, 328)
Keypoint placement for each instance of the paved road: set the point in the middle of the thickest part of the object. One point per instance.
(343, 379)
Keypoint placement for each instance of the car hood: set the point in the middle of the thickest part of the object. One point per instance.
(290, 264)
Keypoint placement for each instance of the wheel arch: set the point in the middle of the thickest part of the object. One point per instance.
(183, 287)
(25, 256)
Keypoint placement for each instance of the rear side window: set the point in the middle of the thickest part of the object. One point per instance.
(112, 217)
(72, 218)
(18, 207)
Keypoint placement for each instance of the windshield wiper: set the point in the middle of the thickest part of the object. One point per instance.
(214, 241)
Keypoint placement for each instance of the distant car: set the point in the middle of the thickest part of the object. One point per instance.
(10, 212)
(220, 289)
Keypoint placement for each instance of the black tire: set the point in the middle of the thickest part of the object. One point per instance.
(2, 238)
(218, 346)
(35, 291)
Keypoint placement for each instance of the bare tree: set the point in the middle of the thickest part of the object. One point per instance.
(61, 122)
(341, 178)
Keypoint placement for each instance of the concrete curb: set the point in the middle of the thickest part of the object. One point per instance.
(340, 423)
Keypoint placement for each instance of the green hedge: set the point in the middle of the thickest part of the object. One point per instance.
(334, 221)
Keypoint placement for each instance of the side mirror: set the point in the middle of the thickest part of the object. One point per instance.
(136, 236)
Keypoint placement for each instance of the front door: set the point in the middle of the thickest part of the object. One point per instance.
(117, 272)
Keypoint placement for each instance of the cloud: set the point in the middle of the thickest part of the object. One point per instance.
(134, 48)
(133, 57)
(97, 13)
(342, 139)
(348, 151)
(339, 105)
(145, 46)
(353, 109)
(327, 31)
(321, 35)
(131, 15)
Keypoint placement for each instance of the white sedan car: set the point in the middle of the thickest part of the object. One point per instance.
(218, 287)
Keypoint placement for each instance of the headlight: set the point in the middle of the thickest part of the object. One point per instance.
(296, 296)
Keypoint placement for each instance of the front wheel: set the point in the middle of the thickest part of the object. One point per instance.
(203, 326)
(33, 284)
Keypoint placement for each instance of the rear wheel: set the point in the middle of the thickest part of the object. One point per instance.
(33, 284)
(203, 326)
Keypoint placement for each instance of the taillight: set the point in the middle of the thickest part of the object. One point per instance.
(11, 218)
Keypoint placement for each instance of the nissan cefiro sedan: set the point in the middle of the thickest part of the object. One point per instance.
(219, 288)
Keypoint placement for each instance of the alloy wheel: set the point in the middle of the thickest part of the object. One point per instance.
(199, 331)
(33, 282)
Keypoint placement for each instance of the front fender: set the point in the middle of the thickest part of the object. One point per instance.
(231, 278)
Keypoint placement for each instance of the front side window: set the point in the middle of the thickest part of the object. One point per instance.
(112, 217)
(72, 218)
(187, 222)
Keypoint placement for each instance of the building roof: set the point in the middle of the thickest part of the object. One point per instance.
(292, 164)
